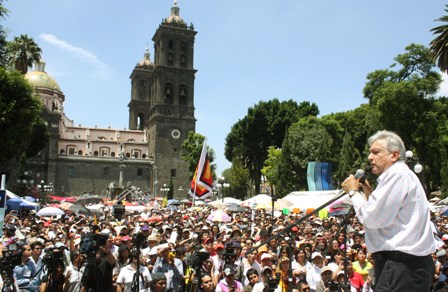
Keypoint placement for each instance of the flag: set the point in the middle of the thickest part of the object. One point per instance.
(202, 182)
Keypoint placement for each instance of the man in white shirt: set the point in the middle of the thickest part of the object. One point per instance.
(396, 218)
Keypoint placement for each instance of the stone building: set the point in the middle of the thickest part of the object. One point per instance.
(82, 159)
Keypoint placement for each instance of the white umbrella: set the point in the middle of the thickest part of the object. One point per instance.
(50, 211)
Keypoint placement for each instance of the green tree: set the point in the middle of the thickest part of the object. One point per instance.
(264, 125)
(439, 45)
(239, 180)
(22, 52)
(404, 97)
(191, 152)
(271, 169)
(307, 140)
(19, 117)
(3, 42)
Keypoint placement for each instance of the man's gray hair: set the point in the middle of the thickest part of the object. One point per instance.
(393, 142)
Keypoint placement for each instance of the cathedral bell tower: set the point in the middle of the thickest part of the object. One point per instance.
(163, 100)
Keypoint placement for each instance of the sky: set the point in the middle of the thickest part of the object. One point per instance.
(246, 51)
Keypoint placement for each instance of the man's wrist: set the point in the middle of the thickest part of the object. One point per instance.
(352, 193)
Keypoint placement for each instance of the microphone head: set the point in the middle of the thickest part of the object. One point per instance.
(368, 168)
(359, 173)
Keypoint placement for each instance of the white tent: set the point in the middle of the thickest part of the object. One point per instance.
(258, 199)
(312, 199)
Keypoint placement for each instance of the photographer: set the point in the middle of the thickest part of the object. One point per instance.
(55, 279)
(168, 264)
(229, 284)
(105, 262)
(127, 274)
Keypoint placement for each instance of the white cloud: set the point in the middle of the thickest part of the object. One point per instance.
(443, 90)
(103, 70)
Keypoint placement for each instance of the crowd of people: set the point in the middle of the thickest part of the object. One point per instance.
(390, 242)
(183, 251)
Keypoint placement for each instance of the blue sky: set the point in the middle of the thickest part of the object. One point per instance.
(245, 51)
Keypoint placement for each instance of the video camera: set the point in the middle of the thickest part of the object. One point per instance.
(138, 239)
(90, 242)
(231, 252)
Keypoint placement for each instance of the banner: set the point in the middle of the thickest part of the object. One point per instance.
(202, 182)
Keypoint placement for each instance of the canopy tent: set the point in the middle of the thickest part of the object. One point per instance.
(63, 199)
(29, 205)
(310, 200)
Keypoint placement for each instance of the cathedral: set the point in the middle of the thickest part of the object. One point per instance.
(147, 156)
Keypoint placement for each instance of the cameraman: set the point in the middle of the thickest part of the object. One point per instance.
(105, 262)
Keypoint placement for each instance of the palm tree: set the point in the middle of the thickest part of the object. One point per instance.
(439, 45)
(22, 52)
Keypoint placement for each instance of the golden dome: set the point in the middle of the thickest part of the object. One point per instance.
(40, 78)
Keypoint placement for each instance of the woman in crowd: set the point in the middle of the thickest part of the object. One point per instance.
(362, 265)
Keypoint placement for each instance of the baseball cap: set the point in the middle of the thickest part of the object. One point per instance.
(325, 269)
(265, 256)
(229, 270)
(218, 246)
(445, 237)
(315, 254)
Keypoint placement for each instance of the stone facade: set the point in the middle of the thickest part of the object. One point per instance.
(161, 113)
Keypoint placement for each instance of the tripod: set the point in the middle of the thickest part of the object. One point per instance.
(135, 285)
(91, 279)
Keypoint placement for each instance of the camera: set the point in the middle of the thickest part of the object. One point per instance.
(139, 239)
(92, 242)
(231, 252)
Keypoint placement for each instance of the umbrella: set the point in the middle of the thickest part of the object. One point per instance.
(199, 203)
(89, 199)
(65, 205)
(235, 208)
(186, 202)
(173, 202)
(219, 216)
(79, 209)
(50, 211)
(339, 212)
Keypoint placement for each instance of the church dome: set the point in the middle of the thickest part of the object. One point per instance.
(146, 60)
(174, 18)
(40, 78)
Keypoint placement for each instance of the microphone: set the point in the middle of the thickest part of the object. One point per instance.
(361, 174)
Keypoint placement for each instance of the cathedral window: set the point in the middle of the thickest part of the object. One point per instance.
(171, 44)
(62, 152)
(70, 170)
(136, 153)
(79, 152)
(183, 46)
(139, 172)
(140, 121)
(95, 153)
(173, 173)
(170, 59)
(112, 154)
(71, 150)
(104, 151)
(183, 61)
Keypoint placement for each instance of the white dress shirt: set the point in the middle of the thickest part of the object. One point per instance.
(396, 216)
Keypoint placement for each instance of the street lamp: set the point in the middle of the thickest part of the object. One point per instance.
(165, 189)
(25, 180)
(44, 190)
(222, 184)
(415, 165)
(155, 181)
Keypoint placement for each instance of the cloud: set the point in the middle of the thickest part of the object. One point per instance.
(102, 69)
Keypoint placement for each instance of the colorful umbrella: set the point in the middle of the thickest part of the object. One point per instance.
(219, 216)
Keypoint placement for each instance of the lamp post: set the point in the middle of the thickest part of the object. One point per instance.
(181, 189)
(165, 189)
(25, 181)
(273, 200)
(155, 181)
(222, 184)
(415, 166)
(44, 189)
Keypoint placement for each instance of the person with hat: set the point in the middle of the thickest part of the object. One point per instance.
(228, 283)
(313, 273)
(168, 264)
(158, 282)
(326, 275)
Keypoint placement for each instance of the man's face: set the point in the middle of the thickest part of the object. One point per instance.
(37, 250)
(380, 158)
